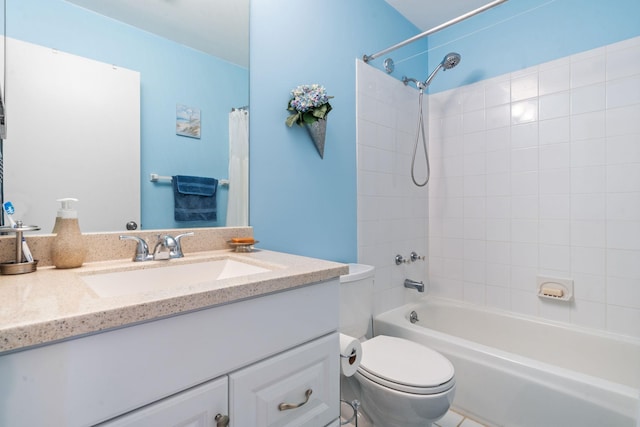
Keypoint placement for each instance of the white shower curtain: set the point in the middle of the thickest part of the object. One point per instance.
(238, 208)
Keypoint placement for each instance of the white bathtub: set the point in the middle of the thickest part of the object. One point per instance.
(516, 371)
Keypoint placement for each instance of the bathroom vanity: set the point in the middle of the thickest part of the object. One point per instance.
(260, 349)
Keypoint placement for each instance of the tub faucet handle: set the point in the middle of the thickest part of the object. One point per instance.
(400, 260)
(415, 257)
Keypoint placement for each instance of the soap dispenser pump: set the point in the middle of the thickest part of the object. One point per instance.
(68, 248)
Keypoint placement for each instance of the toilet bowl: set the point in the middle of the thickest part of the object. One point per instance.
(401, 383)
(404, 383)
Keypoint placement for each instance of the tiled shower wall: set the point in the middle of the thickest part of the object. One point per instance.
(392, 212)
(538, 173)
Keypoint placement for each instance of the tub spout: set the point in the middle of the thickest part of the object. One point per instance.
(412, 284)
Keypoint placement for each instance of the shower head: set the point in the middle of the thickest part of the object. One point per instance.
(450, 60)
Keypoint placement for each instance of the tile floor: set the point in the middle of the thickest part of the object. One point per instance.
(451, 419)
(454, 419)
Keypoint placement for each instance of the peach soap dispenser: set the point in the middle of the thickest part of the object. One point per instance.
(68, 248)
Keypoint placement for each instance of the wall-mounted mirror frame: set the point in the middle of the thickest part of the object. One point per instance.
(170, 74)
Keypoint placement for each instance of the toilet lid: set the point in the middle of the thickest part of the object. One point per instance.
(404, 363)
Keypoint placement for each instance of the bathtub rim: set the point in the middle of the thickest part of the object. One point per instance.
(402, 312)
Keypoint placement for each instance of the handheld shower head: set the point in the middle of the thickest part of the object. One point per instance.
(450, 60)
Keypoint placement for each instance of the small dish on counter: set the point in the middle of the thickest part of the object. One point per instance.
(243, 246)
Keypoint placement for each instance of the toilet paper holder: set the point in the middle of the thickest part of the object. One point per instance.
(352, 357)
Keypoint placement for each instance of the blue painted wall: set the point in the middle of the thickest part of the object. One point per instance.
(301, 203)
(522, 33)
(304, 205)
(170, 74)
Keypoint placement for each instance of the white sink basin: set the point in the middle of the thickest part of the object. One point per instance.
(168, 276)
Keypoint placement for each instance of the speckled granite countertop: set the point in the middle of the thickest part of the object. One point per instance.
(51, 305)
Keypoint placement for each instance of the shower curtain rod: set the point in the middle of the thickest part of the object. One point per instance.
(367, 58)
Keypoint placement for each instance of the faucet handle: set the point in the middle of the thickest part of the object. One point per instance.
(177, 251)
(142, 249)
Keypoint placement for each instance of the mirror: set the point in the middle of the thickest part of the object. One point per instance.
(188, 56)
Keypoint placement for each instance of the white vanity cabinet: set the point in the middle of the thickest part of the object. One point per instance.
(201, 406)
(241, 359)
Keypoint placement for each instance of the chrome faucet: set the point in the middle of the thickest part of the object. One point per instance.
(412, 284)
(168, 247)
(164, 246)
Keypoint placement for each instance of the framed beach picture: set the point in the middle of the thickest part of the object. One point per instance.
(187, 121)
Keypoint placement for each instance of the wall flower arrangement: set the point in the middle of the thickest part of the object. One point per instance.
(309, 106)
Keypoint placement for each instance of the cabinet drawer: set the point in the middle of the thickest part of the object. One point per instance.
(196, 407)
(258, 391)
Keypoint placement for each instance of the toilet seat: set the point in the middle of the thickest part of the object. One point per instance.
(406, 366)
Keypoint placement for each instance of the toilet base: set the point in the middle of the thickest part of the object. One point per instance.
(391, 408)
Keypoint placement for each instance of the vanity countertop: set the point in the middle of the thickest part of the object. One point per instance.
(51, 304)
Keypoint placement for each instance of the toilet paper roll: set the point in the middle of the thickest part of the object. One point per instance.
(350, 355)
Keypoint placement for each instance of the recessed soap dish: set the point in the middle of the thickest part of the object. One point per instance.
(555, 288)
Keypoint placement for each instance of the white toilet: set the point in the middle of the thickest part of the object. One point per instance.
(402, 383)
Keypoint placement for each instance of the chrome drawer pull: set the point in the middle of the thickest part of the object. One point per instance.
(285, 406)
(221, 420)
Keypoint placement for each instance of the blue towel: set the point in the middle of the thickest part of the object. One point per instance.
(194, 198)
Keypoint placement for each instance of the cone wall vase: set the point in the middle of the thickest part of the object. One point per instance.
(318, 131)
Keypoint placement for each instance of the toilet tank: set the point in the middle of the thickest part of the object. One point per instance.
(356, 300)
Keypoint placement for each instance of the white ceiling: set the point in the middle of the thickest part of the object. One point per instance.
(221, 27)
(217, 27)
(426, 14)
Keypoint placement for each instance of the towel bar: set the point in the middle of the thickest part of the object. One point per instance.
(154, 177)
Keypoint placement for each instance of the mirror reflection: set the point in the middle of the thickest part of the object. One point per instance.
(97, 96)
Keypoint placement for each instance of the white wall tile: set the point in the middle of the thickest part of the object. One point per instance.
(623, 292)
(623, 235)
(623, 178)
(555, 206)
(524, 111)
(535, 172)
(498, 275)
(589, 152)
(623, 149)
(588, 125)
(524, 159)
(588, 233)
(498, 138)
(554, 310)
(623, 120)
(497, 91)
(555, 181)
(588, 69)
(623, 92)
(591, 179)
(498, 116)
(555, 257)
(623, 320)
(623, 206)
(555, 156)
(588, 206)
(622, 61)
(555, 130)
(555, 78)
(587, 99)
(588, 260)
(623, 263)
(555, 232)
(555, 105)
(589, 314)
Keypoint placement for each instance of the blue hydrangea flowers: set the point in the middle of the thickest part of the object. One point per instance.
(309, 103)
